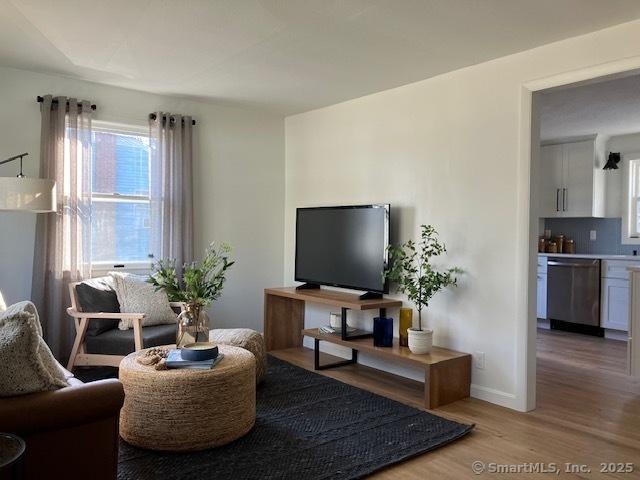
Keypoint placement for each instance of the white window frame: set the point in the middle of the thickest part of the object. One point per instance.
(102, 268)
(631, 195)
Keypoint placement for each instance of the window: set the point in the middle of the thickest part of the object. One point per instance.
(634, 198)
(120, 220)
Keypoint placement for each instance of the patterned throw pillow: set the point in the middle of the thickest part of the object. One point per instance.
(135, 295)
(26, 363)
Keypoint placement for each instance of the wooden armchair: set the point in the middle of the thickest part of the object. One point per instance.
(122, 341)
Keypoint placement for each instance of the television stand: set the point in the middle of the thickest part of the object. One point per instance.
(308, 286)
(447, 373)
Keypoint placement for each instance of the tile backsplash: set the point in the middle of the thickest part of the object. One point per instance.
(608, 234)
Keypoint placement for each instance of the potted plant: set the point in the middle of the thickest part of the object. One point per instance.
(414, 275)
(199, 286)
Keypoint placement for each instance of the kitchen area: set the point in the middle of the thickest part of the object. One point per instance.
(588, 197)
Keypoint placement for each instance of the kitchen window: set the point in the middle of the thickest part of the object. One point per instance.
(121, 231)
(631, 217)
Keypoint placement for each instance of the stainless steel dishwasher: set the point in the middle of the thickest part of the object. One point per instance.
(573, 292)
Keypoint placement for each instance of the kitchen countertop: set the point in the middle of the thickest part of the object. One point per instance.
(595, 256)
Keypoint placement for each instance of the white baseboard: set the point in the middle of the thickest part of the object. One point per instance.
(616, 335)
(492, 395)
(544, 323)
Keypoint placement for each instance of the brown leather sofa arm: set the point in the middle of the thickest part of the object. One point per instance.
(67, 407)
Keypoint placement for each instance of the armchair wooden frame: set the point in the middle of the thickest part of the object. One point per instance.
(79, 356)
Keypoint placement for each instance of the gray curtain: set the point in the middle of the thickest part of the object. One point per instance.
(171, 187)
(63, 238)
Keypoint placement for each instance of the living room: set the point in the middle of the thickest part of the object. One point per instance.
(425, 107)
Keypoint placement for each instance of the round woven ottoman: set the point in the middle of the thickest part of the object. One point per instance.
(247, 339)
(188, 409)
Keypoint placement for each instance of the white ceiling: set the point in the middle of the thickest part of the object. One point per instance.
(285, 55)
(610, 107)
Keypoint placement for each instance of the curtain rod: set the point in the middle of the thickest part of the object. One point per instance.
(41, 99)
(153, 116)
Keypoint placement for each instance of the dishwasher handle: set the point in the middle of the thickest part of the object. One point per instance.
(572, 265)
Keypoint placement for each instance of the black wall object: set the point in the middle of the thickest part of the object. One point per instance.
(612, 161)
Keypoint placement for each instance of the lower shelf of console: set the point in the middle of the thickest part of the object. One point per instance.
(447, 372)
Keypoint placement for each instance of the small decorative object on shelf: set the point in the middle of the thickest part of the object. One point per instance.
(414, 275)
(382, 332)
(199, 286)
(335, 320)
(406, 322)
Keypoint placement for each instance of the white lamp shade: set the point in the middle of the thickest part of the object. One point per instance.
(27, 194)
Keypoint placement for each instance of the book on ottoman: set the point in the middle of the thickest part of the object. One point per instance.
(175, 360)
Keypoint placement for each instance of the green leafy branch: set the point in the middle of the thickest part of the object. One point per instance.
(412, 272)
(200, 284)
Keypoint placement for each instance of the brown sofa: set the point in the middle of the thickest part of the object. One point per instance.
(71, 432)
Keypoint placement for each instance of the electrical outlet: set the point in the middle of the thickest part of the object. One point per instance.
(592, 235)
(478, 360)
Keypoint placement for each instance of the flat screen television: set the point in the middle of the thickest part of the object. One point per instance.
(343, 246)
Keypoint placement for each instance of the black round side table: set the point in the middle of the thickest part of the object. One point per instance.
(11, 456)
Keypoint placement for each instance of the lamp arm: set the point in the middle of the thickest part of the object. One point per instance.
(15, 157)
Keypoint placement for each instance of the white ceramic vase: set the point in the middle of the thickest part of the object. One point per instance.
(420, 341)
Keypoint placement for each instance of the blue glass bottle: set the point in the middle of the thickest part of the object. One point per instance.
(382, 332)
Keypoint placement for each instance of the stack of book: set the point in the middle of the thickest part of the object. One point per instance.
(175, 360)
(330, 329)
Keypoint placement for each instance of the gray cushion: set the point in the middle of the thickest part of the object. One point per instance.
(98, 295)
(120, 342)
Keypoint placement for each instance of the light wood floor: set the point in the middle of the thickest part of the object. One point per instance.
(588, 412)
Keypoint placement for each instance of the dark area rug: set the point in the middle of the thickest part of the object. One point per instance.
(308, 427)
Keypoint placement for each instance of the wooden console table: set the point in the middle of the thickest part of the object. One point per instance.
(447, 372)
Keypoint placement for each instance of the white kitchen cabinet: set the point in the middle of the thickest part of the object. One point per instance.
(614, 294)
(615, 304)
(551, 177)
(633, 345)
(541, 306)
(571, 180)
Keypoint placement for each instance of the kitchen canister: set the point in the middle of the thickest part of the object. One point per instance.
(569, 246)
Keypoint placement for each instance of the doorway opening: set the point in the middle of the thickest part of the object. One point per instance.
(585, 224)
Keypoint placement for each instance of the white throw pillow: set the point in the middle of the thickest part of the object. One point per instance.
(26, 363)
(136, 295)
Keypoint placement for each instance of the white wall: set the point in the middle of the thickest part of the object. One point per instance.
(238, 182)
(449, 151)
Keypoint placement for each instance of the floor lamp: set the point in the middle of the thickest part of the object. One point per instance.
(20, 193)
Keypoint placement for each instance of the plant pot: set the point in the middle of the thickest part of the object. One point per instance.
(420, 341)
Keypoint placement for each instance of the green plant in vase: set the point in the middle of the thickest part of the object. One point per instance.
(200, 285)
(414, 275)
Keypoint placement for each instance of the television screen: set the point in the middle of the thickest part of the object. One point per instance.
(343, 246)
